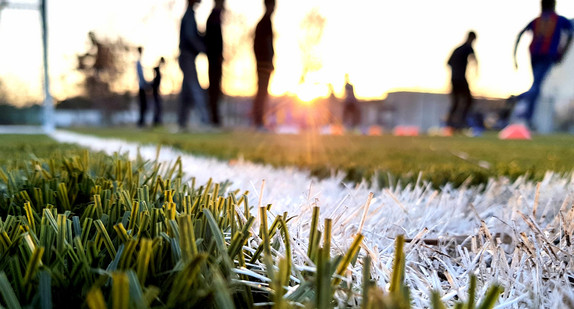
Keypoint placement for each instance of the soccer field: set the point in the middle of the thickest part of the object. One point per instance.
(387, 158)
(513, 233)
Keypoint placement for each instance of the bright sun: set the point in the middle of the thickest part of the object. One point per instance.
(308, 92)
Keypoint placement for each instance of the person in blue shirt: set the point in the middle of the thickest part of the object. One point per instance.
(190, 45)
(546, 49)
(143, 86)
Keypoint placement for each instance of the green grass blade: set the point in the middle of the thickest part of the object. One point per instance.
(143, 259)
(222, 294)
(8, 293)
(120, 291)
(33, 264)
(366, 281)
(107, 240)
(471, 292)
(398, 274)
(95, 299)
(346, 261)
(313, 232)
(136, 293)
(45, 290)
(491, 297)
(436, 302)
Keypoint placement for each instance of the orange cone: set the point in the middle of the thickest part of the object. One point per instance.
(406, 131)
(375, 131)
(515, 131)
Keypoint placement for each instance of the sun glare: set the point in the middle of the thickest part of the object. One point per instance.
(307, 92)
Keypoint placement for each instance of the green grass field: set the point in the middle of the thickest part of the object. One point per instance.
(16, 149)
(441, 160)
(89, 230)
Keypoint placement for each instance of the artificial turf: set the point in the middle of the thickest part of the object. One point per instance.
(386, 159)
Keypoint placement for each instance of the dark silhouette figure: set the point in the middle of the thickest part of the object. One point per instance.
(546, 49)
(351, 111)
(264, 52)
(143, 86)
(460, 93)
(214, 47)
(155, 84)
(190, 45)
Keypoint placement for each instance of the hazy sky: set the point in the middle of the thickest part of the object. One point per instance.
(384, 45)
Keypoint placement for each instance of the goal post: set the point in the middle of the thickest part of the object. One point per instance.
(48, 121)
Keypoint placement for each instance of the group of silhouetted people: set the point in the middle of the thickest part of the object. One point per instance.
(191, 44)
(546, 49)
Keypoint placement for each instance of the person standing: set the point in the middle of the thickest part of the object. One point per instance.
(143, 85)
(155, 84)
(351, 111)
(461, 98)
(264, 52)
(546, 49)
(214, 47)
(190, 45)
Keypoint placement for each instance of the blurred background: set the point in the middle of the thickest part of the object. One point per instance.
(395, 53)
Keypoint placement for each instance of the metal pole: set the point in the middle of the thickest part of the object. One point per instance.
(48, 102)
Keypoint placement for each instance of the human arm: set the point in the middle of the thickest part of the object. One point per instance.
(569, 29)
(190, 34)
(474, 62)
(516, 45)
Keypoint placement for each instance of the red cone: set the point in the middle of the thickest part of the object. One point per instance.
(515, 131)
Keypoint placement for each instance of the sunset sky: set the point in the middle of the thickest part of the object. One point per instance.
(383, 45)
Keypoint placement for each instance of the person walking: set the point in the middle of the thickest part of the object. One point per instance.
(264, 52)
(143, 86)
(461, 98)
(155, 84)
(214, 47)
(546, 49)
(190, 45)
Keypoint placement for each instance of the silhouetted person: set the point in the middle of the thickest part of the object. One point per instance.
(546, 49)
(461, 98)
(143, 85)
(190, 45)
(155, 84)
(264, 52)
(214, 47)
(351, 111)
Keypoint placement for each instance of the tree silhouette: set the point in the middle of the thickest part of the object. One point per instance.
(312, 27)
(103, 67)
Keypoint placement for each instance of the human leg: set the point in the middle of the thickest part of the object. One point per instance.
(466, 101)
(186, 98)
(261, 96)
(157, 107)
(214, 90)
(143, 107)
(540, 69)
(451, 120)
